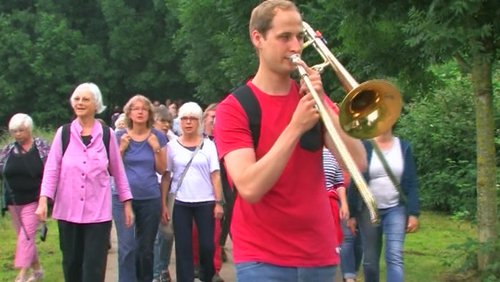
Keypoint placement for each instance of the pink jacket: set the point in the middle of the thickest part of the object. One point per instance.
(79, 182)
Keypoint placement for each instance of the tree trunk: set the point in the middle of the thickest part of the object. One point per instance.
(487, 213)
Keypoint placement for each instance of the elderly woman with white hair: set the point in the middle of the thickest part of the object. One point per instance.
(77, 179)
(21, 164)
(193, 162)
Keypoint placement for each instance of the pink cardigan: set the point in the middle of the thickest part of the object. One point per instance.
(79, 182)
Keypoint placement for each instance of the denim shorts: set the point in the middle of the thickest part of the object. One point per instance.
(257, 271)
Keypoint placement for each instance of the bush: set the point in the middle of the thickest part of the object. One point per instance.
(441, 128)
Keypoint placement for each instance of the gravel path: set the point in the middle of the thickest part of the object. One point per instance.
(227, 272)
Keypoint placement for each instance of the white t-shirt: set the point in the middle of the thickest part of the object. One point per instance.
(385, 193)
(197, 183)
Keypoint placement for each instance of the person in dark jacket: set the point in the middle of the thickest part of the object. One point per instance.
(21, 163)
(397, 202)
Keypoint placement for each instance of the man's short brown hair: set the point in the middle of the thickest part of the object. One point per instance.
(263, 14)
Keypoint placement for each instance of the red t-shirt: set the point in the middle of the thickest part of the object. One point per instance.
(292, 224)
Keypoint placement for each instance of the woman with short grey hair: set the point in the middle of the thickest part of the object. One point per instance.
(193, 164)
(77, 179)
(21, 164)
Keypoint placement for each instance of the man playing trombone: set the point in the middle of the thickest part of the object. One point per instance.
(282, 224)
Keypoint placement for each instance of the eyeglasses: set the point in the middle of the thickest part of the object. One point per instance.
(189, 118)
(139, 109)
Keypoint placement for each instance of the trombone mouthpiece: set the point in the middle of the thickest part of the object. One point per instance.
(295, 58)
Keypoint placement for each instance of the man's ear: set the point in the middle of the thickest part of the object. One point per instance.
(256, 38)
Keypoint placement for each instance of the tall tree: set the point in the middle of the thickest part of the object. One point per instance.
(469, 32)
(216, 52)
(140, 50)
(42, 60)
(48, 46)
(465, 30)
(16, 79)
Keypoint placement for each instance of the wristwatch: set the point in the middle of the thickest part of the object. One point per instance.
(220, 202)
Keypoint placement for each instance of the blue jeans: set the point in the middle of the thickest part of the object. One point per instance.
(257, 271)
(162, 250)
(393, 227)
(351, 253)
(136, 244)
(126, 244)
(203, 215)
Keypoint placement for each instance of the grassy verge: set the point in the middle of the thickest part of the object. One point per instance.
(48, 252)
(428, 256)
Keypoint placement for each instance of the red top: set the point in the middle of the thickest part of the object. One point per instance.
(292, 224)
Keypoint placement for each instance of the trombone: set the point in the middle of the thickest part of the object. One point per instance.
(368, 110)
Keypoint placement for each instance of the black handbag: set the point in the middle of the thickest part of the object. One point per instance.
(43, 231)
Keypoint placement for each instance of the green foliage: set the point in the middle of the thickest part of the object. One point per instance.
(61, 61)
(466, 249)
(217, 54)
(140, 50)
(442, 125)
(454, 28)
(369, 40)
(16, 83)
(465, 253)
(48, 47)
(441, 128)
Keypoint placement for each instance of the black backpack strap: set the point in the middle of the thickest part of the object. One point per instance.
(105, 137)
(249, 102)
(312, 139)
(65, 132)
(229, 195)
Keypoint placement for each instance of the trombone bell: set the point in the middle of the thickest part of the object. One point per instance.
(370, 109)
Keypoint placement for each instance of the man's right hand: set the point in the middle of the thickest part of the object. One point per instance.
(306, 115)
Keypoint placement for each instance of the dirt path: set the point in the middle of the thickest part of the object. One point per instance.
(227, 272)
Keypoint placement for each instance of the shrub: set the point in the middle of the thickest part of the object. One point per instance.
(441, 128)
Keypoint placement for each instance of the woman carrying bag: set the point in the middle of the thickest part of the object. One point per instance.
(21, 163)
(392, 179)
(197, 189)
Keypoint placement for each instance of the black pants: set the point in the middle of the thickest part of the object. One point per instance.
(203, 215)
(84, 250)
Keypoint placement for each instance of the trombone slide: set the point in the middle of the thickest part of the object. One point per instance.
(339, 144)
